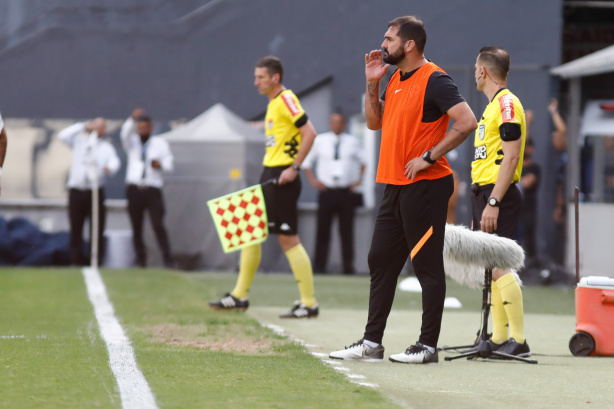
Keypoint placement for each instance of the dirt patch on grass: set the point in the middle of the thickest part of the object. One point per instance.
(197, 336)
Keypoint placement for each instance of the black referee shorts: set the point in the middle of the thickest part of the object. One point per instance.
(509, 211)
(281, 201)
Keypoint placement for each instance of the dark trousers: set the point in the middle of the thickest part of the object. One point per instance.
(331, 203)
(411, 222)
(79, 209)
(141, 199)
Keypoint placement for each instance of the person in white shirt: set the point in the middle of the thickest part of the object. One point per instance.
(339, 166)
(92, 158)
(3, 144)
(148, 158)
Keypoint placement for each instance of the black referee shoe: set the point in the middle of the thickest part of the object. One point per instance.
(229, 302)
(512, 347)
(300, 310)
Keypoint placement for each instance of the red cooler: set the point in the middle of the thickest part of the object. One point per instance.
(594, 317)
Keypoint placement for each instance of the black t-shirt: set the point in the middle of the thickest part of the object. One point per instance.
(441, 95)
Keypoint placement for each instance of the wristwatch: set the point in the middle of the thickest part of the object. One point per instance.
(494, 202)
(427, 157)
(295, 167)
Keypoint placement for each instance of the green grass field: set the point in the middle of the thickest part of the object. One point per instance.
(52, 356)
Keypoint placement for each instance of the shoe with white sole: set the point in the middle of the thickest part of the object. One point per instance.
(300, 310)
(416, 354)
(360, 351)
(230, 302)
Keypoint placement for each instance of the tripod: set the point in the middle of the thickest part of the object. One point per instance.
(482, 348)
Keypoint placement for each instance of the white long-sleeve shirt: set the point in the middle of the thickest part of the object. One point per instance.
(338, 159)
(88, 149)
(139, 171)
(1, 123)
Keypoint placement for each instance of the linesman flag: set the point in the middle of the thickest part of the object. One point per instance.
(240, 218)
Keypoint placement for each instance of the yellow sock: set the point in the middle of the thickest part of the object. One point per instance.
(248, 265)
(499, 316)
(512, 302)
(301, 267)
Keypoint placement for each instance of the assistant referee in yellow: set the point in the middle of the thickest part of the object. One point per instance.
(289, 136)
(496, 201)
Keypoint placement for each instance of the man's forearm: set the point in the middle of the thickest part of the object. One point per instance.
(308, 136)
(373, 106)
(464, 125)
(505, 178)
(455, 136)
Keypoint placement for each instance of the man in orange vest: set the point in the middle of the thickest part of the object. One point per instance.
(419, 101)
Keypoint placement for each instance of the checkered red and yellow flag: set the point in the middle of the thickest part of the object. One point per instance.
(240, 218)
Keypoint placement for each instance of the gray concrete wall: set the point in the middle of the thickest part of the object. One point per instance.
(79, 59)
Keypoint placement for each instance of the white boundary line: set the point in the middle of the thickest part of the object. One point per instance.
(336, 365)
(134, 390)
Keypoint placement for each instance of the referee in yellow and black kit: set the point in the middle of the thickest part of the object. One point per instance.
(496, 201)
(289, 136)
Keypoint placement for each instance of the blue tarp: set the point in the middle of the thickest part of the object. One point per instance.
(24, 244)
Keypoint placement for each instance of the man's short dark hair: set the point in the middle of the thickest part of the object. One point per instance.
(410, 28)
(144, 118)
(273, 66)
(497, 59)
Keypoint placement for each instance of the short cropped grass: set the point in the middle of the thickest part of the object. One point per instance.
(230, 361)
(51, 354)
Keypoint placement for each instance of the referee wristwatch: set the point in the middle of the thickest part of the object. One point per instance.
(427, 157)
(494, 202)
(295, 167)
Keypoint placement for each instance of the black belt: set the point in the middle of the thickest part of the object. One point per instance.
(475, 188)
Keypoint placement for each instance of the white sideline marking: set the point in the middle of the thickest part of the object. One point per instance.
(21, 337)
(276, 329)
(341, 368)
(355, 376)
(323, 357)
(370, 385)
(134, 390)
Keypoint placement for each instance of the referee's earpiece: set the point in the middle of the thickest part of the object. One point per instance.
(274, 79)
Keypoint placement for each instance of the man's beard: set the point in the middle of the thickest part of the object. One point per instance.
(393, 59)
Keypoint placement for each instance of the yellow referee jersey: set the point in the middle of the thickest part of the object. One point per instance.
(504, 108)
(283, 138)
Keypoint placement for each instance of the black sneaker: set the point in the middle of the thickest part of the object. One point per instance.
(416, 354)
(300, 310)
(493, 346)
(229, 302)
(511, 347)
